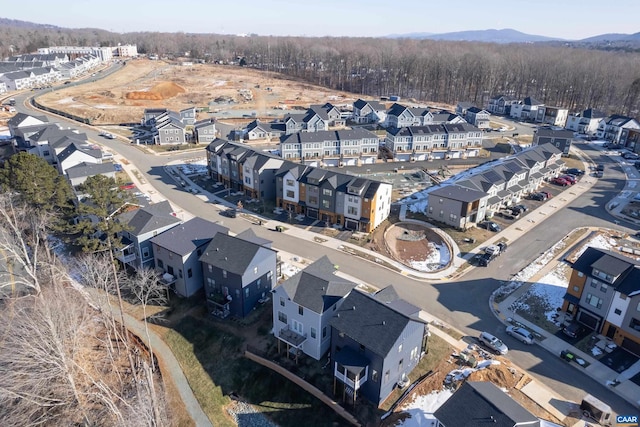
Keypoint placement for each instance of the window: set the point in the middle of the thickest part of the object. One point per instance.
(282, 302)
(313, 333)
(246, 292)
(145, 253)
(603, 287)
(326, 204)
(282, 317)
(224, 273)
(324, 332)
(400, 365)
(290, 194)
(255, 270)
(576, 289)
(617, 311)
(189, 273)
(352, 210)
(180, 273)
(594, 301)
(386, 377)
(300, 310)
(638, 307)
(374, 376)
(210, 268)
(160, 263)
(290, 182)
(327, 192)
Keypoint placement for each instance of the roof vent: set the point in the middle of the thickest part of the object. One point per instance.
(217, 249)
(384, 322)
(353, 308)
(225, 258)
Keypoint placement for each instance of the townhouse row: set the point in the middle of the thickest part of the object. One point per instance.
(348, 201)
(167, 127)
(603, 295)
(485, 190)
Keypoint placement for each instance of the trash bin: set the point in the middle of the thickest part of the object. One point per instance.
(279, 228)
(567, 355)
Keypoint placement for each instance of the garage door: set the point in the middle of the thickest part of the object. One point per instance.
(588, 320)
(631, 346)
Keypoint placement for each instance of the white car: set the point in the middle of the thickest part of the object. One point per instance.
(521, 334)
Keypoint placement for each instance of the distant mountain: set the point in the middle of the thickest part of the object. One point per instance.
(613, 37)
(506, 35)
(16, 23)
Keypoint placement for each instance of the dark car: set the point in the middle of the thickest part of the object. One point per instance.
(630, 156)
(573, 329)
(502, 246)
(538, 196)
(518, 209)
(486, 258)
(574, 171)
(600, 168)
(230, 213)
(490, 225)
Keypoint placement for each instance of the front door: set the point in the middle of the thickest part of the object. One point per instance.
(611, 331)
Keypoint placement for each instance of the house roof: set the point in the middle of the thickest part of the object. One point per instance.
(188, 236)
(481, 403)
(375, 105)
(328, 135)
(592, 113)
(505, 97)
(17, 120)
(149, 218)
(459, 193)
(231, 253)
(88, 169)
(626, 269)
(370, 322)
(529, 100)
(317, 287)
(551, 133)
(79, 146)
(204, 123)
(397, 109)
(250, 236)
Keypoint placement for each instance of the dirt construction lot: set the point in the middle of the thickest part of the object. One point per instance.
(123, 96)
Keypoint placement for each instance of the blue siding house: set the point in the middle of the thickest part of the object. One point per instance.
(376, 341)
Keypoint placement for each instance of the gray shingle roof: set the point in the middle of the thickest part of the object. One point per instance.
(231, 253)
(372, 323)
(189, 236)
(459, 193)
(88, 169)
(481, 403)
(16, 120)
(149, 218)
(317, 287)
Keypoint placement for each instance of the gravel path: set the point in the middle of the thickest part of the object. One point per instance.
(245, 415)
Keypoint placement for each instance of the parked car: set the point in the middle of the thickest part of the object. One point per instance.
(490, 225)
(492, 250)
(600, 168)
(493, 343)
(573, 329)
(560, 181)
(507, 214)
(485, 259)
(538, 196)
(521, 334)
(230, 213)
(630, 156)
(574, 171)
(502, 246)
(128, 186)
(518, 209)
(572, 179)
(546, 194)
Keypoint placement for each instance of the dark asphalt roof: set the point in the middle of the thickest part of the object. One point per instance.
(185, 238)
(233, 254)
(149, 218)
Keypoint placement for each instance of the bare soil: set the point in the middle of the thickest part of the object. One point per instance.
(407, 251)
(123, 96)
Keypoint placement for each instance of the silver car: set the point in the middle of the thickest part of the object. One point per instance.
(521, 334)
(493, 343)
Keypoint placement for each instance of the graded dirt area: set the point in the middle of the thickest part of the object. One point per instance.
(123, 96)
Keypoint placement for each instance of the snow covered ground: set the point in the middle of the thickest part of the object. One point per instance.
(437, 259)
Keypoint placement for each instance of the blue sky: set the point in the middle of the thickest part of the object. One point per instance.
(569, 19)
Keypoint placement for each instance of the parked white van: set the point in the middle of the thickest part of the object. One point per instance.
(493, 343)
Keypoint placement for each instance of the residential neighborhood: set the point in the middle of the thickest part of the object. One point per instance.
(357, 248)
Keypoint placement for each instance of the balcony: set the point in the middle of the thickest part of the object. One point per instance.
(291, 337)
(125, 258)
(166, 279)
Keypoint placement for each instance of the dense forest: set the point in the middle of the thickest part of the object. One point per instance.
(423, 70)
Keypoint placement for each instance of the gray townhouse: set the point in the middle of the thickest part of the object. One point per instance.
(239, 272)
(368, 112)
(21, 126)
(615, 128)
(205, 130)
(51, 140)
(170, 132)
(259, 175)
(604, 296)
(501, 104)
(78, 174)
(444, 141)
(464, 202)
(141, 225)
(177, 252)
(303, 306)
(188, 116)
(311, 121)
(491, 406)
(76, 153)
(561, 139)
(345, 147)
(554, 116)
(477, 117)
(376, 341)
(257, 130)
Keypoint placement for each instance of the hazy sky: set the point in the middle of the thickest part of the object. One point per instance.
(569, 19)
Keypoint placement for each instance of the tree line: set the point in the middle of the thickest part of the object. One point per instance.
(421, 70)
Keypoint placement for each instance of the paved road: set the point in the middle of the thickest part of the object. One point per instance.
(463, 304)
